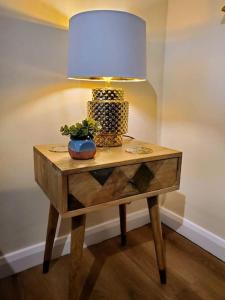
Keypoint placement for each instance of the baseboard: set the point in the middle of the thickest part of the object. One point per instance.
(195, 233)
(28, 257)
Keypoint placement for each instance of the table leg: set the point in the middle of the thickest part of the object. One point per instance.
(76, 251)
(51, 230)
(157, 236)
(123, 225)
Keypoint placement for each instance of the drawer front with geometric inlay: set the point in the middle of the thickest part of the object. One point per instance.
(103, 185)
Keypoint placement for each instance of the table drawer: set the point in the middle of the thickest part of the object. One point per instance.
(103, 185)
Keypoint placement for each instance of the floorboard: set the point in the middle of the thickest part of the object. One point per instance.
(110, 271)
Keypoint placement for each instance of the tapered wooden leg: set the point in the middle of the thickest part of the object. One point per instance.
(76, 251)
(157, 235)
(123, 225)
(51, 230)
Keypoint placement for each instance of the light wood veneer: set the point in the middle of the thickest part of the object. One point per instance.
(131, 176)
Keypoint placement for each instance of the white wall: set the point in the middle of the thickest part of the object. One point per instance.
(36, 99)
(193, 117)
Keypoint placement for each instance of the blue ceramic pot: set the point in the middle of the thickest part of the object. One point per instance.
(81, 149)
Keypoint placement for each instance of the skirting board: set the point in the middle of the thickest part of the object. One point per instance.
(28, 257)
(195, 233)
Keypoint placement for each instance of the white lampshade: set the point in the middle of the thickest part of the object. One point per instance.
(107, 45)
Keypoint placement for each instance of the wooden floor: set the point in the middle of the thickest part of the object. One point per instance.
(112, 272)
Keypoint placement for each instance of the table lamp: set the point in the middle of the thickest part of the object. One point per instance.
(107, 45)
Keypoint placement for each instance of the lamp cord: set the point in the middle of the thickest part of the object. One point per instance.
(129, 137)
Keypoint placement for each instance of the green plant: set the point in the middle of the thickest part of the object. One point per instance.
(86, 129)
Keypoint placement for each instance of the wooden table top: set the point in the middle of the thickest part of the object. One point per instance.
(105, 157)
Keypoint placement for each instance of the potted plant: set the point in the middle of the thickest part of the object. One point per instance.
(81, 145)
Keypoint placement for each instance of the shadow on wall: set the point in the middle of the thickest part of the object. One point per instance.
(37, 11)
(223, 19)
(32, 59)
(175, 202)
(17, 225)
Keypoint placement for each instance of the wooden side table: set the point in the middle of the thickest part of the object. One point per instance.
(113, 177)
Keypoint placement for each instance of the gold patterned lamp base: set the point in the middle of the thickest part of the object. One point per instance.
(111, 111)
(108, 140)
